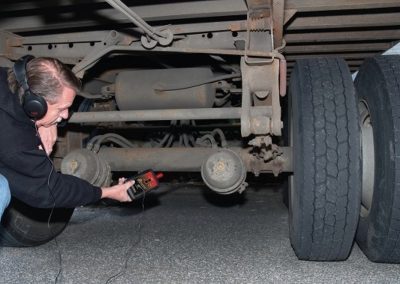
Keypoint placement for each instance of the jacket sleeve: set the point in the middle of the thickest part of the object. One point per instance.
(34, 180)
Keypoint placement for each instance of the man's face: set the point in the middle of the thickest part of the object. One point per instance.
(58, 110)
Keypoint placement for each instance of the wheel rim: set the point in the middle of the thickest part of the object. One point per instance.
(368, 158)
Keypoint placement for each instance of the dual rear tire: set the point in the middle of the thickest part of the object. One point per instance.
(346, 143)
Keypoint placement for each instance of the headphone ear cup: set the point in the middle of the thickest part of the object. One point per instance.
(34, 106)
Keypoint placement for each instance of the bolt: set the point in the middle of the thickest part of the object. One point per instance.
(220, 166)
(73, 166)
(262, 94)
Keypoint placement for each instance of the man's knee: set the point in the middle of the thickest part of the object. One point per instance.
(4, 191)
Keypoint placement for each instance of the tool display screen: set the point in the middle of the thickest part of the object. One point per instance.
(147, 180)
(144, 182)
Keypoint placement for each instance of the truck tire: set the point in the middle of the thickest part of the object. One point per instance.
(325, 188)
(24, 226)
(378, 90)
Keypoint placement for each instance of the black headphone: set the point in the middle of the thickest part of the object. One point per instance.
(34, 106)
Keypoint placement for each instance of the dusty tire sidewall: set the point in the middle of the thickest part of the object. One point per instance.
(373, 227)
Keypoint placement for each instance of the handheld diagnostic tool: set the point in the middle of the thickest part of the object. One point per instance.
(144, 182)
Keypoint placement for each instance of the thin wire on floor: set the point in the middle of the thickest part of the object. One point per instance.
(131, 247)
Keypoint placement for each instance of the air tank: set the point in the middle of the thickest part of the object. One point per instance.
(146, 89)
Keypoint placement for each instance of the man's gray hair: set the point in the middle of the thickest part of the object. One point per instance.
(46, 77)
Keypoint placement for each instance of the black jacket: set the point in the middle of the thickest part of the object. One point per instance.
(29, 172)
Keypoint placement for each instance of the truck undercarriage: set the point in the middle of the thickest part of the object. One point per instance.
(201, 86)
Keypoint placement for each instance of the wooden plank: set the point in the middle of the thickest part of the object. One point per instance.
(64, 18)
(342, 36)
(306, 49)
(345, 21)
(344, 55)
(167, 11)
(329, 5)
(352, 68)
(349, 62)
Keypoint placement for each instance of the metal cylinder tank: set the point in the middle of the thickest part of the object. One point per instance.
(224, 172)
(87, 165)
(144, 89)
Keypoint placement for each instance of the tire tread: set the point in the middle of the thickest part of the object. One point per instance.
(331, 174)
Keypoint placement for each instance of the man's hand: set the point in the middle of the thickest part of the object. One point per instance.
(48, 135)
(118, 192)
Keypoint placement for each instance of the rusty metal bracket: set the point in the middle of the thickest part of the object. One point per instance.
(278, 17)
(258, 4)
(258, 31)
(112, 39)
(151, 36)
(260, 79)
(265, 151)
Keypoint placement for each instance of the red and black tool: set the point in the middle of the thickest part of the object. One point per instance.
(144, 182)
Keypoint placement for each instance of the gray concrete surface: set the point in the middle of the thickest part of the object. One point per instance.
(185, 236)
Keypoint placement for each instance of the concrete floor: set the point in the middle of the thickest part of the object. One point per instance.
(185, 236)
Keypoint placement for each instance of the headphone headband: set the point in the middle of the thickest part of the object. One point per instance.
(20, 71)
